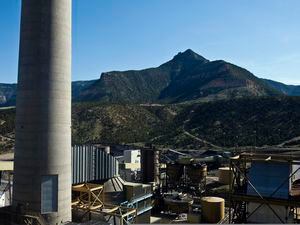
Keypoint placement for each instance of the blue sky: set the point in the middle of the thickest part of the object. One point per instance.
(260, 35)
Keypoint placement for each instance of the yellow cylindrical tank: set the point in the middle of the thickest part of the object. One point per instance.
(213, 209)
(225, 175)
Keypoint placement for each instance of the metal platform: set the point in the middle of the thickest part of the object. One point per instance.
(240, 198)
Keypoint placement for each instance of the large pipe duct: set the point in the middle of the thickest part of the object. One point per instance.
(42, 171)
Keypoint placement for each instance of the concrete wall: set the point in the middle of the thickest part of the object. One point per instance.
(43, 117)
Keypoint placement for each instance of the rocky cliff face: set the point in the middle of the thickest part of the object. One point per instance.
(188, 76)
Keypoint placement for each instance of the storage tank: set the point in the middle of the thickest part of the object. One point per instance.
(225, 175)
(174, 171)
(178, 203)
(196, 172)
(213, 209)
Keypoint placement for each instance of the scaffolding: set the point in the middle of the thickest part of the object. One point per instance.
(87, 196)
(239, 198)
(88, 199)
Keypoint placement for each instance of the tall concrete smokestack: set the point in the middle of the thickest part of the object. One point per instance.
(42, 173)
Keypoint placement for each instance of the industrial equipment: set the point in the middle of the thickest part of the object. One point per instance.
(264, 189)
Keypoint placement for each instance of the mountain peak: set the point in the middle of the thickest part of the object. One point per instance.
(189, 55)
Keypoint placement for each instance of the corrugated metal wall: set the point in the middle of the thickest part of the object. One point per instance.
(90, 163)
(267, 177)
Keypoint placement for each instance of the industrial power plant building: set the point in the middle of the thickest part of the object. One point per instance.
(96, 188)
(49, 182)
